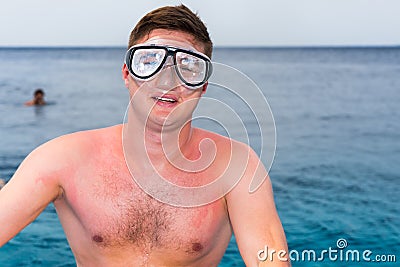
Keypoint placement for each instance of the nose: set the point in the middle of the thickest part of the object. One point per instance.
(167, 79)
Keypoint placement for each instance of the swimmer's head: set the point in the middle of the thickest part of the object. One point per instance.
(173, 18)
(38, 93)
(38, 97)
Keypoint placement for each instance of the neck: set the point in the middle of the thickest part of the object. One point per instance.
(151, 143)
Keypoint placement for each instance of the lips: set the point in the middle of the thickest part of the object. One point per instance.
(164, 99)
(167, 99)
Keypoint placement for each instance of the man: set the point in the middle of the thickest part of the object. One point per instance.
(96, 179)
(38, 99)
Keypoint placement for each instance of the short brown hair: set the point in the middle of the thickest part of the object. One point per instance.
(38, 91)
(175, 18)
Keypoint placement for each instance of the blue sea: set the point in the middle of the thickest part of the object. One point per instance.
(336, 173)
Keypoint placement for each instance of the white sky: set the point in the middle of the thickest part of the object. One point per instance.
(230, 22)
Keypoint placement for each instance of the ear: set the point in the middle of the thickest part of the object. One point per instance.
(125, 75)
(204, 89)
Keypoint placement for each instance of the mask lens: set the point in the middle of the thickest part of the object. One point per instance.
(145, 62)
(192, 69)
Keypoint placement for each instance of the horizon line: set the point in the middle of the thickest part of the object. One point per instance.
(215, 47)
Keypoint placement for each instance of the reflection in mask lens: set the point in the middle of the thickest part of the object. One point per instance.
(146, 61)
(191, 68)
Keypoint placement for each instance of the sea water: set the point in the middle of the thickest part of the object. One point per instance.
(336, 172)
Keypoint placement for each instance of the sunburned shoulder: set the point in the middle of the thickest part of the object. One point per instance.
(82, 140)
(237, 153)
(75, 148)
(222, 141)
(239, 162)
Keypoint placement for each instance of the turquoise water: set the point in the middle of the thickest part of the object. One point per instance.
(336, 171)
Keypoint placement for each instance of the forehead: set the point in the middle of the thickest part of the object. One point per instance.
(172, 38)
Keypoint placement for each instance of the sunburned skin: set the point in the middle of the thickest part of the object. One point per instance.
(114, 216)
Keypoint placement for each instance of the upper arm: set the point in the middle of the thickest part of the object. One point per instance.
(33, 186)
(253, 216)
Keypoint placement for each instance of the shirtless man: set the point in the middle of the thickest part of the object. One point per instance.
(38, 99)
(92, 176)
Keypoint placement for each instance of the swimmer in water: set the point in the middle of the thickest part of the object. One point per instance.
(92, 176)
(38, 98)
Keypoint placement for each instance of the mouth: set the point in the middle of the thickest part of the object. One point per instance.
(167, 99)
(164, 99)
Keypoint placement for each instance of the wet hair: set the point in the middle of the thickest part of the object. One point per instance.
(174, 18)
(38, 91)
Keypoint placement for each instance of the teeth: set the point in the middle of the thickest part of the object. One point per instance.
(165, 99)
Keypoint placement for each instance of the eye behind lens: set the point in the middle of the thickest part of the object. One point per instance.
(146, 62)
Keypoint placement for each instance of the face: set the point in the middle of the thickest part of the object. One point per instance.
(164, 99)
(39, 96)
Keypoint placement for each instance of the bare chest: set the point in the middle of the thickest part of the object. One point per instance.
(115, 212)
